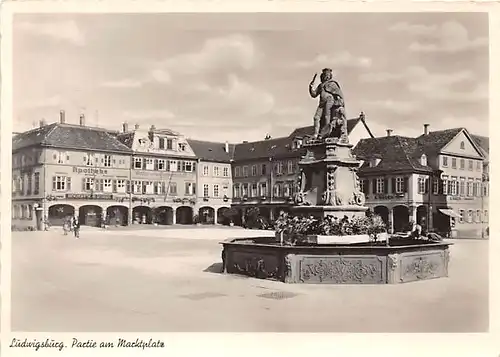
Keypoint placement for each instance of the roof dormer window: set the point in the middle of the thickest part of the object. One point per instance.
(374, 162)
(423, 160)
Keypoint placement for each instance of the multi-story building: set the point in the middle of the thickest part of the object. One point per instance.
(214, 179)
(434, 179)
(265, 172)
(61, 170)
(163, 176)
(484, 144)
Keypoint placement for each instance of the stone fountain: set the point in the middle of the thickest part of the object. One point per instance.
(328, 185)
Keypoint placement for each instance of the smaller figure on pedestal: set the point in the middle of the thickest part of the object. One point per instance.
(330, 117)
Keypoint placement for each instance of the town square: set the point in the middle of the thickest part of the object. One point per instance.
(240, 180)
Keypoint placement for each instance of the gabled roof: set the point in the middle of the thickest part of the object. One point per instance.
(69, 136)
(483, 142)
(396, 153)
(309, 130)
(435, 141)
(126, 139)
(212, 151)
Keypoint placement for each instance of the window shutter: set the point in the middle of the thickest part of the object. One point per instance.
(68, 184)
(386, 188)
(366, 187)
(405, 184)
(194, 189)
(427, 182)
(83, 185)
(194, 166)
(179, 167)
(156, 164)
(128, 186)
(441, 187)
(144, 164)
(163, 187)
(114, 186)
(374, 186)
(393, 183)
(53, 183)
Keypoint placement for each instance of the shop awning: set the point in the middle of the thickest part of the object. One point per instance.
(449, 212)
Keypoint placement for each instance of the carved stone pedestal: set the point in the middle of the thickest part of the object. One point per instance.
(329, 184)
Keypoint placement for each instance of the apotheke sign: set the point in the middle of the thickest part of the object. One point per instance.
(89, 170)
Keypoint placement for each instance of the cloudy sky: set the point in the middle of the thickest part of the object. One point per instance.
(240, 76)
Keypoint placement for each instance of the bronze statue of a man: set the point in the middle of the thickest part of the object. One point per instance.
(331, 102)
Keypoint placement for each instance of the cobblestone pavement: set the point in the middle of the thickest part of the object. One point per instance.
(169, 280)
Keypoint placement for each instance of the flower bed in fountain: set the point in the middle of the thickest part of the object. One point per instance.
(296, 257)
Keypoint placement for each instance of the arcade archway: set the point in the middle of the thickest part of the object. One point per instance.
(58, 213)
(184, 215)
(117, 215)
(401, 218)
(90, 215)
(164, 215)
(142, 215)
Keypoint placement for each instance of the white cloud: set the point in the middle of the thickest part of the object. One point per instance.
(451, 37)
(123, 83)
(227, 53)
(60, 30)
(342, 59)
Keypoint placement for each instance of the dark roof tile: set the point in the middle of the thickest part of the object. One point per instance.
(211, 151)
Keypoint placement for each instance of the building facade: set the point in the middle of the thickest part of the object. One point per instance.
(435, 179)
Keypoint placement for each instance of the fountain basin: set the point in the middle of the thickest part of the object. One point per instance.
(362, 263)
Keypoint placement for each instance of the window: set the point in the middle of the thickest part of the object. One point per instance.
(162, 165)
(107, 161)
(36, 190)
(189, 188)
(485, 189)
(470, 189)
(453, 163)
(169, 144)
(161, 143)
(182, 147)
(61, 158)
(478, 165)
(462, 164)
(462, 145)
(172, 165)
(245, 171)
(279, 168)
(205, 170)
(150, 164)
(159, 188)
(286, 189)
(263, 189)
(216, 190)
(462, 186)
(237, 171)
(478, 216)
(469, 216)
(423, 160)
(254, 170)
(445, 161)
(172, 189)
(253, 191)
(205, 190)
(435, 185)
(244, 190)
(137, 162)
(399, 184)
(471, 165)
(147, 187)
(108, 187)
(454, 186)
(89, 184)
(263, 169)
(225, 172)
(137, 187)
(29, 185)
(380, 185)
(290, 167)
(421, 185)
(277, 190)
(187, 166)
(445, 185)
(88, 160)
(478, 187)
(485, 216)
(236, 190)
(60, 183)
(216, 170)
(461, 218)
(120, 186)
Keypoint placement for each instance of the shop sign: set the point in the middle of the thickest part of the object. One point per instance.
(89, 196)
(454, 198)
(89, 170)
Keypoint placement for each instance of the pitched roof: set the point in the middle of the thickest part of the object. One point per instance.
(309, 130)
(278, 147)
(126, 139)
(69, 136)
(483, 142)
(396, 153)
(435, 141)
(212, 151)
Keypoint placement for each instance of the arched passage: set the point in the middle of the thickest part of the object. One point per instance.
(422, 215)
(206, 215)
(117, 215)
(221, 215)
(184, 215)
(90, 215)
(383, 212)
(142, 214)
(58, 213)
(164, 215)
(401, 218)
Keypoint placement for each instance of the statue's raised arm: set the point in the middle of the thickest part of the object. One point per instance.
(314, 92)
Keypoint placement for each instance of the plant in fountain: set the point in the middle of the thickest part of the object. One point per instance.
(298, 230)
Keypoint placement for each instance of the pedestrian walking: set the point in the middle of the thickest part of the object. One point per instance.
(76, 227)
(66, 226)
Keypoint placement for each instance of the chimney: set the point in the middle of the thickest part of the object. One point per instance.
(389, 132)
(362, 116)
(42, 122)
(226, 147)
(136, 126)
(82, 119)
(153, 128)
(125, 127)
(62, 117)
(426, 129)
